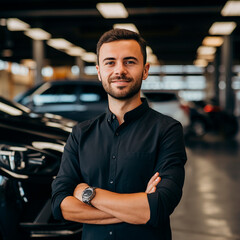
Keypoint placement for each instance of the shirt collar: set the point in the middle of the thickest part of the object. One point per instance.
(131, 115)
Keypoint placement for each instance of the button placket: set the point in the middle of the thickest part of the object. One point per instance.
(113, 162)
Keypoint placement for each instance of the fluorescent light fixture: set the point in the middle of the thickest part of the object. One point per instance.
(37, 34)
(112, 10)
(204, 50)
(152, 58)
(75, 51)
(222, 28)
(208, 57)
(47, 71)
(7, 53)
(59, 43)
(3, 22)
(231, 8)
(149, 50)
(200, 62)
(128, 26)
(213, 41)
(89, 57)
(15, 24)
(29, 63)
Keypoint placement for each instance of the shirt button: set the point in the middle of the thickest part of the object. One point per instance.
(113, 156)
(111, 181)
(117, 133)
(114, 117)
(110, 233)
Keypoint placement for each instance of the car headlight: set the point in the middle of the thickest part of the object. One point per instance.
(26, 160)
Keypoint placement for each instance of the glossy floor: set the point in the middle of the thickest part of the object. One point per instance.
(210, 207)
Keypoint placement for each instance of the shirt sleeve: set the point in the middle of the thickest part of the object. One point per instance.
(170, 165)
(68, 176)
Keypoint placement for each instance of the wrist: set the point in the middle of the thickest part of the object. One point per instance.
(87, 195)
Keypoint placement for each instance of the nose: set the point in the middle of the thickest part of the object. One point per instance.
(120, 69)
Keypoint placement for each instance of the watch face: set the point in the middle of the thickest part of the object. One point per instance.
(87, 193)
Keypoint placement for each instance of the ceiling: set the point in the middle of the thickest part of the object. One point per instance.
(173, 29)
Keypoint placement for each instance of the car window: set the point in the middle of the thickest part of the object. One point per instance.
(57, 94)
(92, 94)
(160, 97)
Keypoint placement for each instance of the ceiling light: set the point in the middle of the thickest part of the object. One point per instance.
(89, 57)
(222, 28)
(149, 50)
(29, 63)
(200, 63)
(15, 24)
(37, 34)
(59, 43)
(112, 10)
(231, 8)
(128, 26)
(208, 57)
(213, 41)
(75, 51)
(7, 53)
(152, 58)
(3, 22)
(204, 50)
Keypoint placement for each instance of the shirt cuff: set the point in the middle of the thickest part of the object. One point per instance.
(56, 210)
(153, 204)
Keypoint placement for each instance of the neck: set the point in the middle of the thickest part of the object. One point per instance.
(120, 107)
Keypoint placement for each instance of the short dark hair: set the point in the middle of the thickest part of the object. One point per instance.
(122, 34)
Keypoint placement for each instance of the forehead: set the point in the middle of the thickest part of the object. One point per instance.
(120, 49)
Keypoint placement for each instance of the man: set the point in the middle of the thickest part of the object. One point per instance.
(122, 173)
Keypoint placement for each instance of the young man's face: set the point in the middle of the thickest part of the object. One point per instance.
(121, 68)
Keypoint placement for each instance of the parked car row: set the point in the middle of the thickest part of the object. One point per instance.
(31, 146)
(78, 100)
(169, 104)
(209, 117)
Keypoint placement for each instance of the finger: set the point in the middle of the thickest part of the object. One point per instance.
(153, 190)
(155, 182)
(153, 185)
(153, 178)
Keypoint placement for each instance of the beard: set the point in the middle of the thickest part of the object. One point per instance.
(123, 93)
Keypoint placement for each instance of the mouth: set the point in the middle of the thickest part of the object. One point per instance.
(120, 82)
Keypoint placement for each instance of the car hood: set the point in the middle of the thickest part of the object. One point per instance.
(21, 119)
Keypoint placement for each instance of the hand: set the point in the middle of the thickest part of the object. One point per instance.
(153, 182)
(79, 189)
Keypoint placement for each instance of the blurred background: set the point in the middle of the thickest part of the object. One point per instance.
(47, 66)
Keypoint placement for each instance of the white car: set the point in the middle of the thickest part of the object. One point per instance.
(169, 104)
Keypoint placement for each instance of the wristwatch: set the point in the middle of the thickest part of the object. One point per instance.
(88, 194)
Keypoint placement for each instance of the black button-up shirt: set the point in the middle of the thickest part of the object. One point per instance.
(122, 159)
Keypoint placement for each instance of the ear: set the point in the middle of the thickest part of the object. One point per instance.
(145, 71)
(98, 72)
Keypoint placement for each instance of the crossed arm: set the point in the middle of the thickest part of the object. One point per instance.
(109, 207)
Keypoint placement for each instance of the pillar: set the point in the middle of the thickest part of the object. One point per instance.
(38, 56)
(226, 93)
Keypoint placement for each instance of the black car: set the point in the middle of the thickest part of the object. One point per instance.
(209, 117)
(31, 146)
(75, 99)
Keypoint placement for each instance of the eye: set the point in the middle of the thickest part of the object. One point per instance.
(109, 63)
(130, 62)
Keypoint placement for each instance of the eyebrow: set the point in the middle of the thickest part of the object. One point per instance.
(129, 58)
(126, 58)
(108, 58)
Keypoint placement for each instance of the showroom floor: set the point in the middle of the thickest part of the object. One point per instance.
(210, 207)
